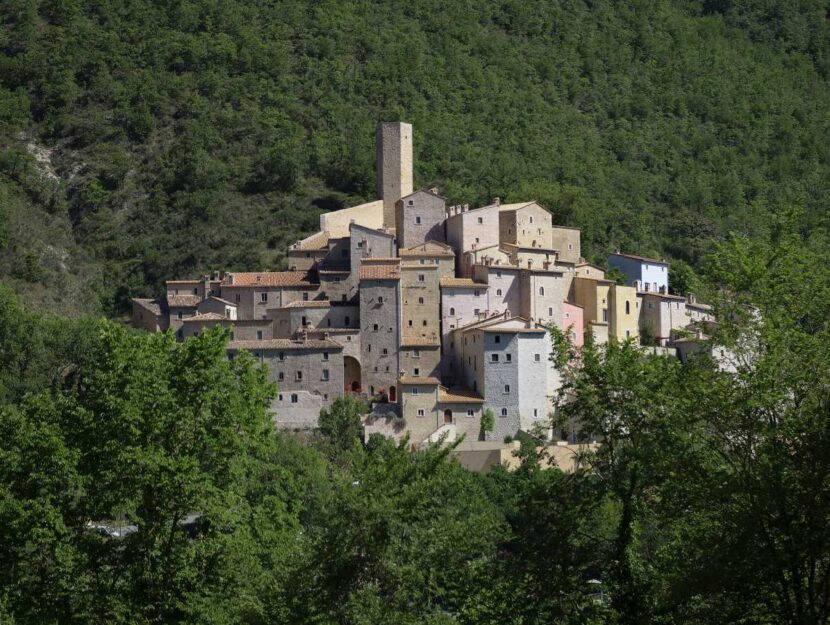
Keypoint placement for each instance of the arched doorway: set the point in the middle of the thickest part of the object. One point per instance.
(351, 374)
(393, 395)
(447, 416)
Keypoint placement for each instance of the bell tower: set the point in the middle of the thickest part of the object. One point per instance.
(394, 166)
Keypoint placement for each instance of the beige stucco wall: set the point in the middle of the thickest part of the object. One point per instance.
(337, 222)
(625, 312)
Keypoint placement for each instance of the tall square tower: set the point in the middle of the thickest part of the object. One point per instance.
(394, 166)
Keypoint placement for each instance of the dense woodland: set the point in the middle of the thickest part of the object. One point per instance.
(143, 141)
(149, 140)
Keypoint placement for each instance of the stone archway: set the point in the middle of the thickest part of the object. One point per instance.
(351, 374)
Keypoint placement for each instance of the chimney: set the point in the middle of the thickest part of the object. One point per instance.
(497, 201)
(393, 150)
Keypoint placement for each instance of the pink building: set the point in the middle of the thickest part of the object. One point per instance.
(574, 323)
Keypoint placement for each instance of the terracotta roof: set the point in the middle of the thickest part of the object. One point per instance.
(420, 341)
(150, 305)
(509, 330)
(458, 396)
(211, 316)
(285, 344)
(415, 381)
(428, 249)
(659, 261)
(271, 278)
(380, 269)
(309, 304)
(587, 264)
(183, 301)
(463, 283)
(337, 271)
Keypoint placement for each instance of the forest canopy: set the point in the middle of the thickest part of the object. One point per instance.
(145, 141)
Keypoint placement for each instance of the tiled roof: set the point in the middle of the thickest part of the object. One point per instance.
(420, 341)
(183, 301)
(428, 249)
(459, 396)
(309, 304)
(271, 278)
(211, 316)
(380, 269)
(516, 206)
(659, 261)
(285, 344)
(413, 380)
(463, 283)
(317, 241)
(150, 305)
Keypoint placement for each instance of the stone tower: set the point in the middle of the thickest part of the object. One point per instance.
(394, 166)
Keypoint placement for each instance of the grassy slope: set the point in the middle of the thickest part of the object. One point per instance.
(203, 134)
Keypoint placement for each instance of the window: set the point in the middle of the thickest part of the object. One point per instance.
(299, 376)
(476, 292)
(259, 335)
(346, 321)
(263, 297)
(380, 299)
(530, 219)
(494, 357)
(420, 412)
(497, 338)
(360, 244)
(303, 322)
(375, 327)
(325, 355)
(410, 202)
(498, 292)
(410, 323)
(385, 351)
(628, 334)
(470, 412)
(605, 314)
(535, 413)
(281, 355)
(175, 291)
(232, 335)
(424, 323)
(305, 297)
(537, 357)
(550, 311)
(421, 261)
(294, 398)
(541, 290)
(417, 220)
(371, 390)
(280, 396)
(627, 307)
(506, 388)
(480, 220)
(504, 412)
(498, 274)
(195, 291)
(452, 311)
(325, 375)
(570, 246)
(179, 314)
(369, 347)
(415, 390)
(416, 371)
(280, 376)
(476, 239)
(508, 357)
(420, 300)
(238, 298)
(421, 277)
(476, 311)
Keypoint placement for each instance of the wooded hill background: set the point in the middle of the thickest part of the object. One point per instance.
(150, 140)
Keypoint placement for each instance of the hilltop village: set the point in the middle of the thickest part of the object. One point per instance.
(432, 313)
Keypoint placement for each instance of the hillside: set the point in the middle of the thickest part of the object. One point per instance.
(143, 141)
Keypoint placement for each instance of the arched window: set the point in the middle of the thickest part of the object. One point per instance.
(506, 388)
(627, 307)
(504, 412)
(541, 290)
(452, 311)
(498, 291)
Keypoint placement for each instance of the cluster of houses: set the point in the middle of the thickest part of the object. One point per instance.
(434, 313)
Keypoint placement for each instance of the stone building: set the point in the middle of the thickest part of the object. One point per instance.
(380, 330)
(567, 243)
(308, 374)
(419, 217)
(472, 230)
(525, 224)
